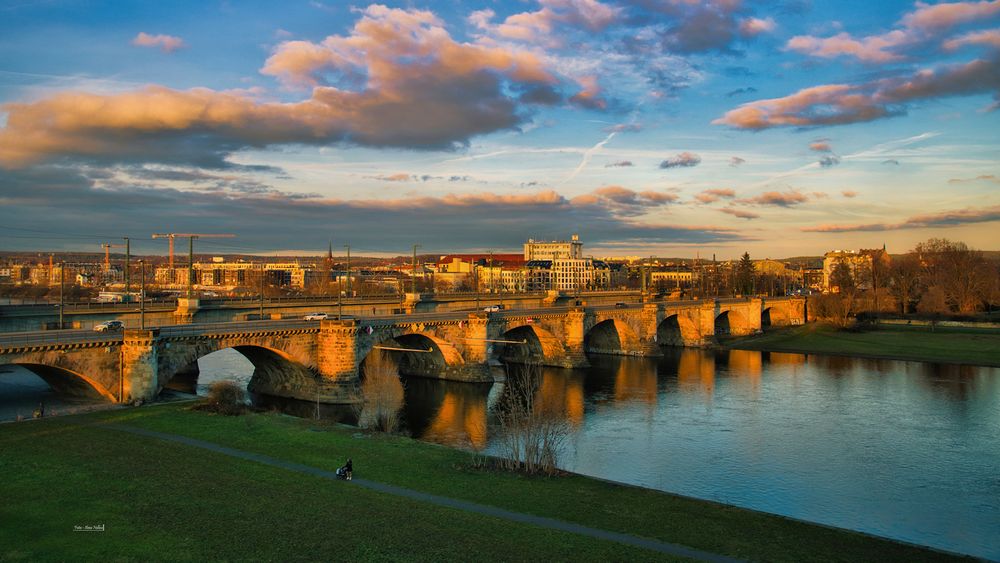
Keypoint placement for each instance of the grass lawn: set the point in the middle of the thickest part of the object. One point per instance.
(949, 345)
(162, 500)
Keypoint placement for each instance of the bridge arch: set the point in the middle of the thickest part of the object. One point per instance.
(275, 372)
(68, 382)
(773, 316)
(731, 322)
(540, 346)
(677, 330)
(611, 336)
(440, 354)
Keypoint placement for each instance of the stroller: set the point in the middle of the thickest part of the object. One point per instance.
(345, 472)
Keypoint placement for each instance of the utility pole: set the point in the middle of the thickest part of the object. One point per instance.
(62, 300)
(142, 295)
(263, 272)
(348, 247)
(642, 281)
(190, 291)
(413, 273)
(492, 275)
(127, 257)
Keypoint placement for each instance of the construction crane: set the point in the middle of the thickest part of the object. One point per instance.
(107, 253)
(190, 237)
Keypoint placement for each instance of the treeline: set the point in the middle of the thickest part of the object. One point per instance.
(938, 277)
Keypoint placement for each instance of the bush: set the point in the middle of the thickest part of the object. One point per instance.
(529, 433)
(225, 397)
(382, 394)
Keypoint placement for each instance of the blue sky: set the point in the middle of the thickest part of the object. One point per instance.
(667, 127)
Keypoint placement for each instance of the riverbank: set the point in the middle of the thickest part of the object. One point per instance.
(159, 499)
(921, 344)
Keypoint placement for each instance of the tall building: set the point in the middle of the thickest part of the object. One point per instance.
(552, 250)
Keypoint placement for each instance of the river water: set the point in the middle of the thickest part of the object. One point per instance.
(905, 450)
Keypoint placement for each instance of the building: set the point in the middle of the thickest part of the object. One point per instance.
(551, 250)
(858, 261)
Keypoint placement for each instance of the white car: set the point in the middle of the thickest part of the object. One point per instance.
(109, 326)
(493, 308)
(316, 317)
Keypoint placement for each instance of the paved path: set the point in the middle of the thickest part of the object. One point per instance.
(662, 547)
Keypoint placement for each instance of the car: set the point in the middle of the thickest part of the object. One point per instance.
(109, 326)
(494, 308)
(316, 317)
(621, 306)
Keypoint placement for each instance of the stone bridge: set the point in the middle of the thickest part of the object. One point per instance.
(324, 361)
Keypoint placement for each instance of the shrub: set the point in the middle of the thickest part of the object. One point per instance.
(529, 433)
(382, 394)
(226, 397)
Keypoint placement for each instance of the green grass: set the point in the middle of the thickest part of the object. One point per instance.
(161, 500)
(948, 345)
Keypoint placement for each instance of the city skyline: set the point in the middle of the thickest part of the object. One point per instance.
(672, 128)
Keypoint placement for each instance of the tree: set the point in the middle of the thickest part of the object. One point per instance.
(745, 275)
(904, 281)
(529, 432)
(962, 275)
(382, 393)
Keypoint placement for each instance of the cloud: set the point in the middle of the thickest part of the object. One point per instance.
(981, 178)
(741, 213)
(619, 164)
(965, 216)
(838, 104)
(990, 38)
(916, 28)
(829, 161)
(892, 161)
(397, 177)
(738, 91)
(49, 195)
(707, 25)
(849, 193)
(709, 196)
(401, 82)
(681, 160)
(623, 128)
(779, 199)
(166, 43)
(736, 161)
(538, 26)
(820, 146)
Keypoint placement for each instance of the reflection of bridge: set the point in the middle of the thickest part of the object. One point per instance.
(323, 361)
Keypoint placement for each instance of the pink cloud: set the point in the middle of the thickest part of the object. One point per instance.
(931, 220)
(837, 104)
(849, 193)
(537, 26)
(713, 195)
(946, 15)
(681, 160)
(820, 146)
(741, 213)
(780, 199)
(166, 43)
(874, 49)
(755, 26)
(989, 37)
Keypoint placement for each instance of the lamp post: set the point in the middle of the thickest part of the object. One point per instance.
(413, 272)
(262, 274)
(128, 281)
(348, 247)
(142, 295)
(62, 300)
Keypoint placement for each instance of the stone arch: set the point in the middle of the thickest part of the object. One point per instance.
(611, 336)
(275, 371)
(541, 346)
(677, 330)
(442, 355)
(773, 316)
(68, 382)
(731, 322)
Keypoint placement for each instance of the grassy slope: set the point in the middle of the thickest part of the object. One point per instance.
(920, 344)
(177, 502)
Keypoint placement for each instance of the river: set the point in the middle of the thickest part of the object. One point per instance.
(905, 450)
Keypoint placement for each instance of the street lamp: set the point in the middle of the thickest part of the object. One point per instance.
(62, 300)
(413, 272)
(142, 295)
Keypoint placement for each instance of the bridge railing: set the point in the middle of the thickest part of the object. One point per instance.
(45, 338)
(242, 326)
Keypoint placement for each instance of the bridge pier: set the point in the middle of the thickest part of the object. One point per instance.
(139, 366)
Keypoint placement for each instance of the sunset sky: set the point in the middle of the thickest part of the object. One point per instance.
(667, 127)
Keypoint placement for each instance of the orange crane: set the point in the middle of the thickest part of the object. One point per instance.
(190, 237)
(107, 253)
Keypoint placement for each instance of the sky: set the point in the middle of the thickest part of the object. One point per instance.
(648, 127)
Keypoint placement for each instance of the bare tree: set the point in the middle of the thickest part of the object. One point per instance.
(529, 433)
(382, 394)
(905, 281)
(963, 275)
